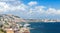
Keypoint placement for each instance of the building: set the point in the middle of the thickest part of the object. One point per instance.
(10, 31)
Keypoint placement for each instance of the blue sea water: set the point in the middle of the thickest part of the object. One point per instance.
(43, 27)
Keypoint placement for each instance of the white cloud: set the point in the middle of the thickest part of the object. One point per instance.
(40, 9)
(58, 12)
(32, 3)
(3, 7)
(51, 11)
(18, 6)
(44, 10)
(30, 11)
(6, 0)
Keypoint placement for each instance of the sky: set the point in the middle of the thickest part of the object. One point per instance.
(31, 9)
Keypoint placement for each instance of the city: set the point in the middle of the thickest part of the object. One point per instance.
(8, 24)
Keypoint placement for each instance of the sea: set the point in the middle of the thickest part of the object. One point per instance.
(44, 27)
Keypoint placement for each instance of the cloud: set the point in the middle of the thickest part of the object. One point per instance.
(16, 6)
(27, 10)
(6, 0)
(53, 11)
(42, 10)
(3, 7)
(32, 3)
(20, 7)
(58, 12)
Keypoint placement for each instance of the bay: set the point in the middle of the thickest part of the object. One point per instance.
(43, 27)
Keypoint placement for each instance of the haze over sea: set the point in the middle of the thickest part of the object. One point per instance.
(43, 27)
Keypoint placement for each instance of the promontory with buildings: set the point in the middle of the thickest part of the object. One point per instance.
(8, 24)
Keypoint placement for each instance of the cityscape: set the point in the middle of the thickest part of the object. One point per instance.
(8, 24)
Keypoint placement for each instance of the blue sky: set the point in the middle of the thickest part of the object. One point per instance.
(47, 3)
(31, 9)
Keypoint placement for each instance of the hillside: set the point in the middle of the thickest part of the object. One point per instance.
(10, 18)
